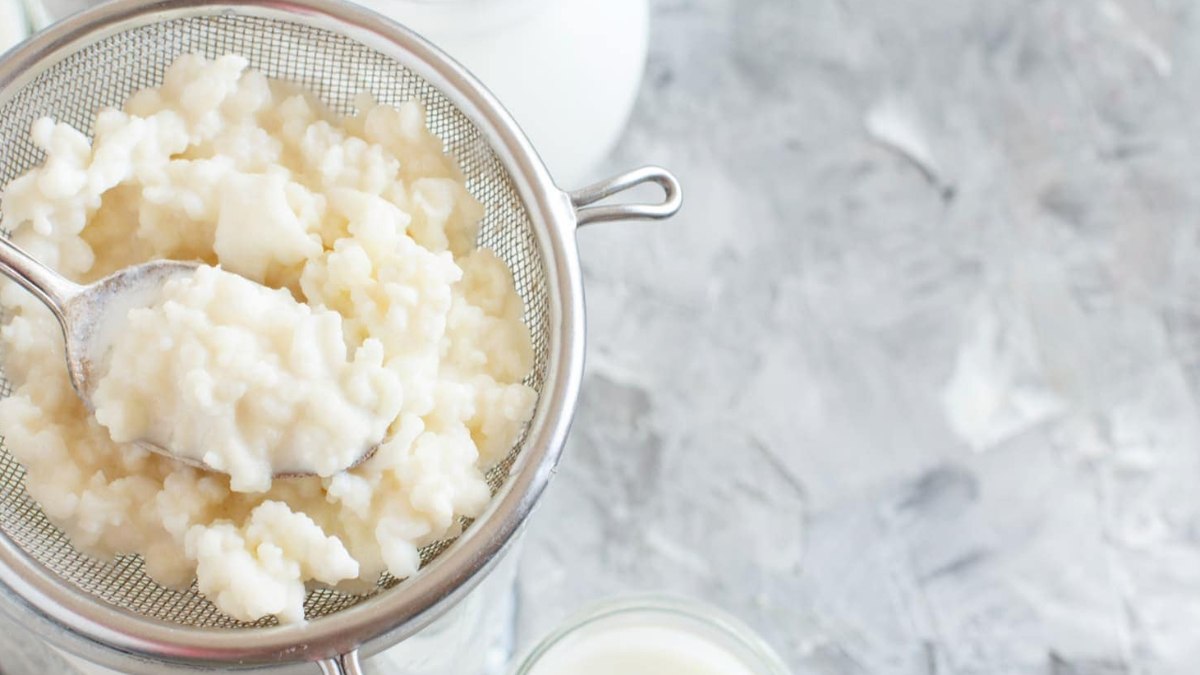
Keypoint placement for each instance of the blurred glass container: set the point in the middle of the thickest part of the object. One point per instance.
(651, 635)
(14, 26)
(567, 70)
(18, 20)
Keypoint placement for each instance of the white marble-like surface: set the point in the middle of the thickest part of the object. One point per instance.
(911, 383)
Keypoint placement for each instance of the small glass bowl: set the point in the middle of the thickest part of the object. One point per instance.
(696, 619)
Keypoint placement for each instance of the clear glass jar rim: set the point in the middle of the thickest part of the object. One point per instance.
(657, 603)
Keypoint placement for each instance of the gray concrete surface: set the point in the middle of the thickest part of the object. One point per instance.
(911, 384)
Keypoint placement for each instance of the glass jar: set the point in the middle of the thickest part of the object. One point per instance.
(18, 20)
(568, 71)
(653, 634)
(13, 25)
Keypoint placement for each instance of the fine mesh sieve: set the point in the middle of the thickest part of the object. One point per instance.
(112, 612)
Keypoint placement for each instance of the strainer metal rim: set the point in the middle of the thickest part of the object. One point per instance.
(84, 625)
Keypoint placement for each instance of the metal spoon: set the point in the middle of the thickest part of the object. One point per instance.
(91, 318)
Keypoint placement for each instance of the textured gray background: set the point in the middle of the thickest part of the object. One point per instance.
(910, 385)
(928, 411)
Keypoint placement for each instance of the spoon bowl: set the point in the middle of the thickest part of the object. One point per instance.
(91, 317)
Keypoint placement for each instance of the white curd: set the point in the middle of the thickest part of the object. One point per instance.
(384, 324)
(246, 380)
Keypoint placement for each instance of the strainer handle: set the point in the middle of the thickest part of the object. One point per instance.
(585, 198)
(346, 664)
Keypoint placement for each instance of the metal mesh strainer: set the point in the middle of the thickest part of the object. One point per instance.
(111, 611)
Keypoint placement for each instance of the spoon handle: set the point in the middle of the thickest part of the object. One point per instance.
(50, 287)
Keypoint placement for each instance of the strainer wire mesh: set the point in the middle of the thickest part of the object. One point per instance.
(336, 69)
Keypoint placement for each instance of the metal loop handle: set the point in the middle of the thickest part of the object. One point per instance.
(585, 197)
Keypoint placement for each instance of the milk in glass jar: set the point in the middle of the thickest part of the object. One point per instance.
(567, 70)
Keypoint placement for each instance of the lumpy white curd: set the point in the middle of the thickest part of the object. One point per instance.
(247, 381)
(342, 304)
